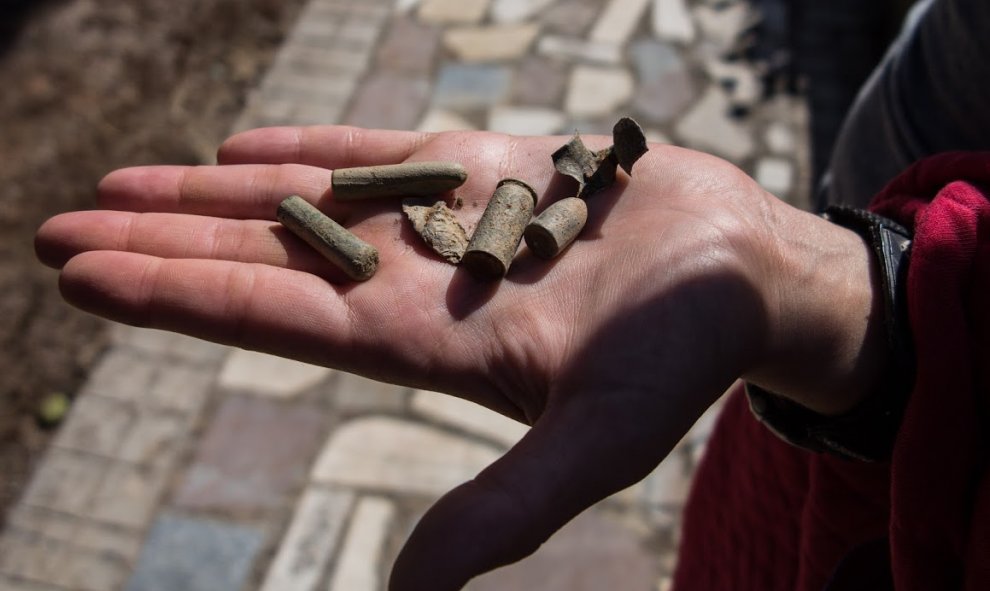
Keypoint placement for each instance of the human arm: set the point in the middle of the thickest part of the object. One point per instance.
(688, 277)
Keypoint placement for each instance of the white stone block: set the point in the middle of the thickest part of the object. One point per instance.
(310, 541)
(780, 138)
(514, 11)
(268, 375)
(775, 175)
(568, 48)
(389, 454)
(672, 21)
(468, 416)
(596, 91)
(707, 127)
(618, 21)
(525, 120)
(358, 565)
(437, 120)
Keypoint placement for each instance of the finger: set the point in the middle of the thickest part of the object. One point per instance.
(356, 327)
(177, 236)
(328, 146)
(573, 457)
(254, 306)
(246, 191)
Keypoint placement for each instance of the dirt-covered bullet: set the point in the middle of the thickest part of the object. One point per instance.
(356, 258)
(554, 229)
(500, 230)
(410, 179)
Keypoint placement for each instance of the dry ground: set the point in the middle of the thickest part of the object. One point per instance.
(89, 86)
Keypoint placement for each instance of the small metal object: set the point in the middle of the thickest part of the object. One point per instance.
(356, 258)
(438, 227)
(500, 230)
(410, 179)
(554, 229)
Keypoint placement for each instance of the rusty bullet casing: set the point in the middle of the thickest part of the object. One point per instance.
(410, 179)
(355, 257)
(557, 227)
(500, 230)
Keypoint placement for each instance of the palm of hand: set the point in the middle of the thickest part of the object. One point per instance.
(610, 351)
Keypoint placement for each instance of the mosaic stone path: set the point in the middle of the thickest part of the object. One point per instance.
(189, 465)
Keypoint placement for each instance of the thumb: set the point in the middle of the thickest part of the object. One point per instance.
(574, 456)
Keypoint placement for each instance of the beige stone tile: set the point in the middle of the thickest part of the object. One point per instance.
(269, 375)
(383, 453)
(358, 567)
(452, 11)
(311, 540)
(490, 43)
(468, 416)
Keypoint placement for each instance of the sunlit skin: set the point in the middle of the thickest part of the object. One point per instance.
(687, 277)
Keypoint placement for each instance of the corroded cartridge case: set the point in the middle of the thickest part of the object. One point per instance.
(500, 230)
(410, 179)
(554, 229)
(356, 258)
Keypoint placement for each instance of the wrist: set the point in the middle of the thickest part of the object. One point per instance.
(825, 347)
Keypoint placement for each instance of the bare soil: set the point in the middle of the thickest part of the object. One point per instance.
(89, 86)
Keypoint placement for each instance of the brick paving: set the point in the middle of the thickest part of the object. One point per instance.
(189, 465)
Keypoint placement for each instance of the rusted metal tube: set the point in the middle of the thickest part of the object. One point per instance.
(410, 179)
(355, 257)
(500, 230)
(557, 227)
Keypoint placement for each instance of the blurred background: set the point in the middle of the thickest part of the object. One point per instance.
(140, 460)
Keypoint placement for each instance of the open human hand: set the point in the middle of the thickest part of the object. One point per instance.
(610, 351)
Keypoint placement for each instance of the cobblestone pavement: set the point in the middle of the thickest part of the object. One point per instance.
(189, 465)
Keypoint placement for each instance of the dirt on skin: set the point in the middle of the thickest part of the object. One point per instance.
(90, 86)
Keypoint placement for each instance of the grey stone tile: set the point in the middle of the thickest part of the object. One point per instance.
(526, 120)
(572, 18)
(81, 533)
(181, 388)
(254, 452)
(389, 100)
(66, 481)
(161, 342)
(148, 380)
(96, 425)
(665, 85)
(409, 46)
(156, 437)
(129, 494)
(579, 50)
(17, 584)
(122, 373)
(461, 86)
(354, 394)
(592, 552)
(50, 562)
(539, 82)
(195, 555)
